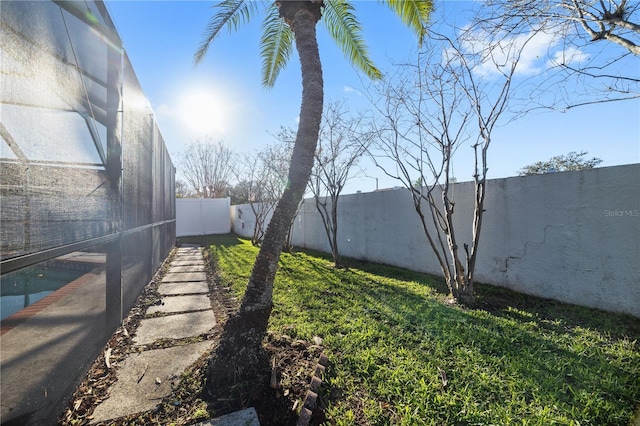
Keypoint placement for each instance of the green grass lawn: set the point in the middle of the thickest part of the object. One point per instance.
(390, 333)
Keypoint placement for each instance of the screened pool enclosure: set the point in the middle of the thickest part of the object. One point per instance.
(87, 198)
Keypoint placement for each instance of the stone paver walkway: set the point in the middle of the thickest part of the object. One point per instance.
(146, 377)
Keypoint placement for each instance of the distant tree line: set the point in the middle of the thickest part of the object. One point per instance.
(561, 163)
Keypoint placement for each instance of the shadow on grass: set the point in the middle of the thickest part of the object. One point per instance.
(500, 301)
(224, 240)
(557, 315)
(518, 356)
(437, 284)
(508, 357)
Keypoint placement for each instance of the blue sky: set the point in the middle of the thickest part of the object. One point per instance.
(160, 38)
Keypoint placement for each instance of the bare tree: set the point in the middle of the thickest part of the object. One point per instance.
(253, 192)
(277, 157)
(262, 178)
(616, 21)
(341, 143)
(577, 71)
(429, 110)
(239, 193)
(182, 189)
(207, 167)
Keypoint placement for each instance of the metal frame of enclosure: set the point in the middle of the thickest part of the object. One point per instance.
(86, 183)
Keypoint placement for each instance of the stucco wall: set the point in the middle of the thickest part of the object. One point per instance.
(572, 236)
(243, 220)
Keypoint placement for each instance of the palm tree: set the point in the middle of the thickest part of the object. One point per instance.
(286, 21)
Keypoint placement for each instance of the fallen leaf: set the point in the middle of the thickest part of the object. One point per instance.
(107, 356)
(443, 377)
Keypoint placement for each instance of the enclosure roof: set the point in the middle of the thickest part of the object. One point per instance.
(64, 84)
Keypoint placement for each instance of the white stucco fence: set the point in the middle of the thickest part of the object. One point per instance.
(243, 220)
(571, 236)
(202, 216)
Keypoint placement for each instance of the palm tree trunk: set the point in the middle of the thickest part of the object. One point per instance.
(240, 348)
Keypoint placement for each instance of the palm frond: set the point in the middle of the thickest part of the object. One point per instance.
(229, 13)
(345, 29)
(413, 13)
(276, 45)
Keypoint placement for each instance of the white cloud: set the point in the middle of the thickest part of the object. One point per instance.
(532, 48)
(569, 56)
(349, 90)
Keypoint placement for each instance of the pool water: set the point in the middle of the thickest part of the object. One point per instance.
(25, 287)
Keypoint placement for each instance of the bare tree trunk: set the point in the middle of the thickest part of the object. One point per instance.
(334, 232)
(257, 226)
(240, 347)
(287, 246)
(480, 186)
(260, 211)
(330, 224)
(341, 143)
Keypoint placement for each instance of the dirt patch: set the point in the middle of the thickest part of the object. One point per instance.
(278, 393)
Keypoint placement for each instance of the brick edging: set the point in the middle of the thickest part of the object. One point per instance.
(311, 398)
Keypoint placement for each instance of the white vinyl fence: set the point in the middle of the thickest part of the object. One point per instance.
(202, 216)
(571, 236)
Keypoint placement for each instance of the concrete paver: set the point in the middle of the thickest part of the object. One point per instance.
(189, 248)
(189, 268)
(189, 256)
(147, 377)
(197, 259)
(192, 260)
(183, 288)
(174, 327)
(182, 304)
(173, 277)
(185, 263)
(247, 417)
